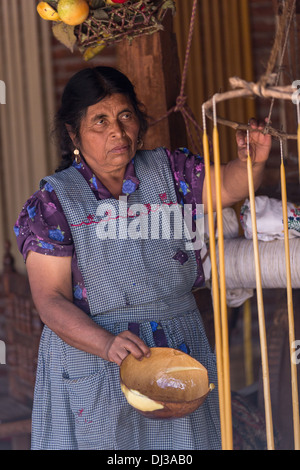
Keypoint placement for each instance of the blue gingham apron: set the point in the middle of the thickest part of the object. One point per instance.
(141, 284)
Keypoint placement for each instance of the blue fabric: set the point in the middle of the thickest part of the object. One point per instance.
(131, 284)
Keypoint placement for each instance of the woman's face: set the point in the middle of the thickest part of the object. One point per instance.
(109, 133)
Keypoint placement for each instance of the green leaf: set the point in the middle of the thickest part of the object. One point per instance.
(65, 34)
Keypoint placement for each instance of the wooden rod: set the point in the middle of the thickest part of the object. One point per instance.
(295, 398)
(260, 307)
(223, 300)
(243, 89)
(215, 285)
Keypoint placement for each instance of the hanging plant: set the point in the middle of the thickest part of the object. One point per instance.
(95, 24)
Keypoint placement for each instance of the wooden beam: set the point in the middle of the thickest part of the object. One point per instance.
(151, 63)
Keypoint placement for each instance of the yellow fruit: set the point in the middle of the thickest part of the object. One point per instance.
(73, 12)
(91, 52)
(47, 12)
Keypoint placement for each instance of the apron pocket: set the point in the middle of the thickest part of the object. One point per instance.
(91, 402)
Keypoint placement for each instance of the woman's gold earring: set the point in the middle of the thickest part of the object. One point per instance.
(77, 157)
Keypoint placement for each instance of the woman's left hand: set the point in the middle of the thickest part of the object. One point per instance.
(259, 143)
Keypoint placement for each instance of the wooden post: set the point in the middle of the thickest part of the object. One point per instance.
(151, 63)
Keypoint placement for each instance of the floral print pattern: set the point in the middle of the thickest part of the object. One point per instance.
(159, 335)
(129, 186)
(294, 219)
(56, 234)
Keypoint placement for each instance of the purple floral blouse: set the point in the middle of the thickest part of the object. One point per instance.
(43, 228)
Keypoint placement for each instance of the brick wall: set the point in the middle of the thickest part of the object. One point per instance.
(66, 64)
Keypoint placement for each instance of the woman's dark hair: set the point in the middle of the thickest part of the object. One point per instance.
(86, 88)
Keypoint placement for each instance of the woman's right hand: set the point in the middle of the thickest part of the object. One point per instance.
(118, 347)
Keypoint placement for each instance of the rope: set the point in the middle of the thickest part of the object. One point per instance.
(277, 43)
(181, 101)
(287, 19)
(188, 47)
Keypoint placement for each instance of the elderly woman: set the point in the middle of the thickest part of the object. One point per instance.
(103, 297)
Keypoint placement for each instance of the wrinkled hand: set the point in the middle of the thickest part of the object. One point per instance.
(118, 347)
(260, 144)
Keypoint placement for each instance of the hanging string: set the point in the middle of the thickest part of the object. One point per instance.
(215, 284)
(260, 305)
(222, 281)
(288, 16)
(277, 44)
(181, 101)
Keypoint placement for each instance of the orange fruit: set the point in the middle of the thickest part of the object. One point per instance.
(73, 12)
